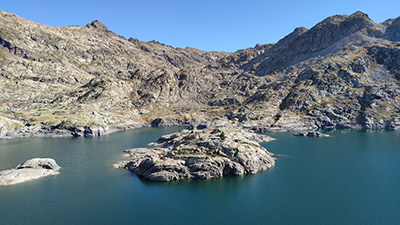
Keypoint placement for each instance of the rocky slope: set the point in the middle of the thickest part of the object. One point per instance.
(31, 169)
(87, 80)
(214, 149)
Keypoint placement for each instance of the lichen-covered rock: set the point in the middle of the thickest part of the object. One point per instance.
(29, 170)
(220, 149)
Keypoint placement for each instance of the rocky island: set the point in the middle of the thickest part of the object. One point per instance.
(31, 169)
(215, 149)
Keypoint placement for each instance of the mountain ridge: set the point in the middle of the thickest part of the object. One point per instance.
(341, 73)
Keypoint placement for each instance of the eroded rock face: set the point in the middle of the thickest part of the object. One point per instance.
(31, 169)
(220, 148)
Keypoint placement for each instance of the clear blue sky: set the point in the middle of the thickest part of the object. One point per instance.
(205, 24)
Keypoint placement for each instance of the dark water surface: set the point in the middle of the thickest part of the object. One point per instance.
(350, 178)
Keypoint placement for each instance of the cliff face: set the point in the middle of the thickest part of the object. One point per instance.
(343, 72)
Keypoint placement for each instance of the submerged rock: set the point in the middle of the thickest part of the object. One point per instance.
(31, 169)
(220, 148)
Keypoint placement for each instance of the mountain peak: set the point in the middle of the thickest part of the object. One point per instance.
(333, 29)
(98, 25)
(356, 20)
(362, 17)
(393, 30)
(359, 14)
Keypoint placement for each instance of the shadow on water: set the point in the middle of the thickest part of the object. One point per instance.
(220, 182)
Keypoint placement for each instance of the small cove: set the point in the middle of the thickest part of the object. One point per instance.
(349, 178)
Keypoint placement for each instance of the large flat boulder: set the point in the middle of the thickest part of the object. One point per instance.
(31, 169)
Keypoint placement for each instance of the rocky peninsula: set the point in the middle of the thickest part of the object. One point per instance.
(31, 169)
(209, 150)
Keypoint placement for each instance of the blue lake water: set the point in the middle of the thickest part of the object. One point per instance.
(349, 178)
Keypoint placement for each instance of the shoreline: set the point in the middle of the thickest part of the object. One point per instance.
(159, 122)
(101, 131)
(95, 131)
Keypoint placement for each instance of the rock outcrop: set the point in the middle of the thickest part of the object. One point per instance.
(31, 169)
(311, 134)
(217, 149)
(86, 80)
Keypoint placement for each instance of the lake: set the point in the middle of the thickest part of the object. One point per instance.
(350, 178)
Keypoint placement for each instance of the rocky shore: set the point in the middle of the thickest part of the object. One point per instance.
(214, 149)
(93, 131)
(31, 169)
(310, 134)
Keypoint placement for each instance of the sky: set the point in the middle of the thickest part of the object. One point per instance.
(212, 25)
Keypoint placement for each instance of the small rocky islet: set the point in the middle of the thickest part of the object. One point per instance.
(31, 169)
(215, 149)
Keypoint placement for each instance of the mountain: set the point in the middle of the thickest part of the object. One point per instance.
(86, 80)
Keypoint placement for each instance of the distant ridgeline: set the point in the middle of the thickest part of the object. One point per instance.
(86, 80)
